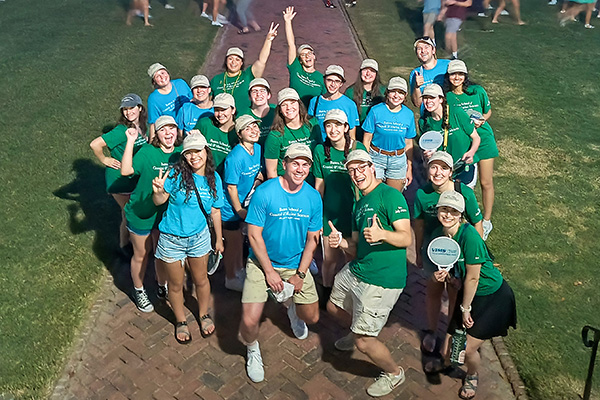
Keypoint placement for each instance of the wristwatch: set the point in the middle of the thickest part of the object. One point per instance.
(301, 274)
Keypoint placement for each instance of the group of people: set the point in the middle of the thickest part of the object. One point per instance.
(203, 166)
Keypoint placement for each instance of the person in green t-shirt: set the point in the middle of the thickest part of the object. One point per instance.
(334, 184)
(367, 288)
(291, 125)
(461, 139)
(260, 94)
(235, 80)
(143, 216)
(219, 130)
(487, 305)
(425, 222)
(366, 92)
(133, 115)
(304, 78)
(461, 92)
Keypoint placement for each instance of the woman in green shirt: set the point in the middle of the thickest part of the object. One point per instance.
(292, 124)
(366, 92)
(133, 116)
(334, 184)
(461, 139)
(473, 99)
(486, 307)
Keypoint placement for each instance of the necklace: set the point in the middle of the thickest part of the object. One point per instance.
(239, 75)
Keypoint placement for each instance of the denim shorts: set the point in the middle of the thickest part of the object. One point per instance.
(139, 232)
(171, 248)
(389, 167)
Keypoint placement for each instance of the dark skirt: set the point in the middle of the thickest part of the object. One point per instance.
(492, 314)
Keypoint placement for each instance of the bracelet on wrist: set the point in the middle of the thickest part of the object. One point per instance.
(465, 310)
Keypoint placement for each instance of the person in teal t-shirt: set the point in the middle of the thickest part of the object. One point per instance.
(367, 288)
(142, 214)
(472, 98)
(184, 231)
(291, 125)
(304, 78)
(334, 184)
(199, 107)
(366, 92)
(486, 307)
(236, 79)
(219, 130)
(132, 116)
(260, 109)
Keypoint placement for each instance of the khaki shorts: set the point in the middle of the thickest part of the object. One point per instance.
(255, 285)
(369, 305)
(429, 18)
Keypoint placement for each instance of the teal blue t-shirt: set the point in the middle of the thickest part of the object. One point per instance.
(390, 129)
(241, 169)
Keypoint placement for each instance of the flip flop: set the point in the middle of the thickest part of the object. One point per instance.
(205, 323)
(181, 328)
(471, 382)
(244, 31)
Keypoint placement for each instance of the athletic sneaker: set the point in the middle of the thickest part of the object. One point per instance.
(217, 23)
(254, 365)
(142, 301)
(552, 2)
(385, 384)
(487, 228)
(205, 15)
(222, 19)
(298, 326)
(589, 26)
(346, 343)
(482, 15)
(162, 292)
(329, 4)
(351, 4)
(504, 12)
(140, 14)
(169, 7)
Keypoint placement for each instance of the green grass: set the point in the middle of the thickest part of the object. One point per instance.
(544, 84)
(65, 65)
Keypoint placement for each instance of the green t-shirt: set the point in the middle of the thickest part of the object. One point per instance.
(277, 143)
(237, 86)
(368, 100)
(307, 84)
(474, 251)
(265, 123)
(339, 194)
(140, 211)
(460, 128)
(220, 143)
(380, 264)
(425, 207)
(479, 101)
(115, 141)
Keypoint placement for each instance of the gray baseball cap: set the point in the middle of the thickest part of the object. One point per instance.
(154, 68)
(443, 157)
(369, 63)
(260, 82)
(243, 121)
(457, 66)
(335, 70)
(358, 155)
(304, 47)
(131, 100)
(194, 141)
(236, 51)
(287, 94)
(452, 199)
(398, 83)
(199, 80)
(223, 100)
(336, 115)
(164, 120)
(433, 90)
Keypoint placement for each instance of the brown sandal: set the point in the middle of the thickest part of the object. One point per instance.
(181, 328)
(205, 323)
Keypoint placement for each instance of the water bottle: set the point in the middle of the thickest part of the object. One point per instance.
(459, 345)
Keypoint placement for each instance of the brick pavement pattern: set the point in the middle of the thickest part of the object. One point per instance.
(122, 353)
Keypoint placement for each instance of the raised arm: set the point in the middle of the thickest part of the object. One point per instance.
(127, 160)
(258, 68)
(288, 16)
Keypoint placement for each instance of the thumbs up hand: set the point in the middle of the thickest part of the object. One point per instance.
(335, 238)
(374, 233)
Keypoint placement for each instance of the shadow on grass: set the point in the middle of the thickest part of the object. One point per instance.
(414, 18)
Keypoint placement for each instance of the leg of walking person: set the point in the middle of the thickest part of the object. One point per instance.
(486, 180)
(500, 8)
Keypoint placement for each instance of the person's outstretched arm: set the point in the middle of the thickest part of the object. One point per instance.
(258, 68)
(288, 16)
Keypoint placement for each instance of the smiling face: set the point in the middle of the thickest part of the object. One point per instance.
(162, 78)
(395, 98)
(368, 75)
(201, 93)
(425, 52)
(234, 64)
(307, 58)
(335, 130)
(432, 103)
(457, 79)
(131, 114)
(448, 216)
(250, 134)
(439, 173)
(167, 136)
(296, 170)
(290, 109)
(224, 115)
(333, 83)
(362, 175)
(196, 159)
(260, 95)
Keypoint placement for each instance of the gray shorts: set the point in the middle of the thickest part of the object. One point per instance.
(453, 25)
(429, 18)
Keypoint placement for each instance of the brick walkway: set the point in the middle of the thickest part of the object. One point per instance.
(123, 353)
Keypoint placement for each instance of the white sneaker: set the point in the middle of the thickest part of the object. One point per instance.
(346, 343)
(254, 366)
(385, 384)
(504, 12)
(487, 228)
(217, 23)
(552, 2)
(169, 7)
(482, 15)
(222, 19)
(205, 15)
(298, 326)
(589, 26)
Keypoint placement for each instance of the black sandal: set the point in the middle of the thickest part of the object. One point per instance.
(206, 322)
(181, 328)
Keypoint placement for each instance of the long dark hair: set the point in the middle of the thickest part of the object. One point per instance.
(466, 86)
(279, 120)
(445, 114)
(359, 87)
(187, 175)
(142, 121)
(328, 145)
